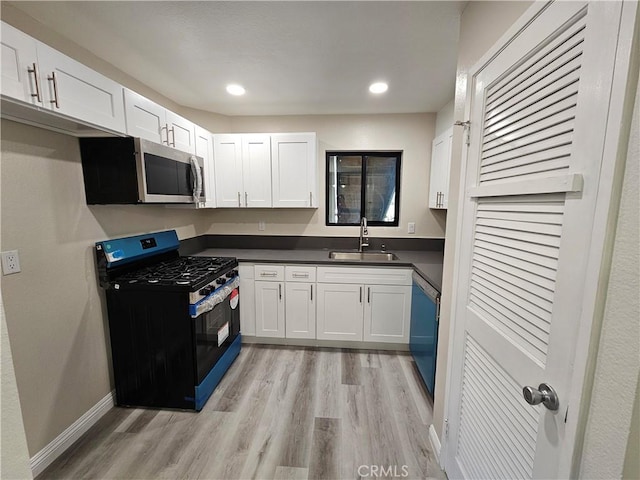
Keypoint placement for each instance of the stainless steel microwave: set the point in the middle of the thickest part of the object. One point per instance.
(126, 170)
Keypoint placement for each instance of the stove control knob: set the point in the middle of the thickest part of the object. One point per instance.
(221, 281)
(205, 291)
(232, 274)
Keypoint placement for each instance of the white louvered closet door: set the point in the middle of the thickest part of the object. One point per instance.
(538, 117)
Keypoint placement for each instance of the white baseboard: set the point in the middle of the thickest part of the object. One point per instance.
(435, 442)
(62, 442)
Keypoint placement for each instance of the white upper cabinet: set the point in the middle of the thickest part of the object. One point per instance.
(256, 170)
(35, 73)
(20, 73)
(440, 167)
(146, 119)
(204, 149)
(266, 170)
(293, 170)
(227, 158)
(243, 170)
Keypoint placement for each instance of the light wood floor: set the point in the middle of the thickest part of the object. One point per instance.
(279, 412)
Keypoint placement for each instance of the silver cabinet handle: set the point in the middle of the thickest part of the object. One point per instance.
(280, 290)
(165, 127)
(312, 293)
(360, 294)
(239, 204)
(173, 135)
(300, 275)
(369, 295)
(53, 79)
(310, 199)
(544, 394)
(246, 199)
(268, 274)
(34, 70)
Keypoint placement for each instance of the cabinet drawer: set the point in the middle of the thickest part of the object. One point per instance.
(300, 273)
(362, 275)
(269, 272)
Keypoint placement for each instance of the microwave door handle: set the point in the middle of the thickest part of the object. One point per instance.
(197, 174)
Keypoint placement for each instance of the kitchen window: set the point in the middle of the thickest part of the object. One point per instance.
(363, 184)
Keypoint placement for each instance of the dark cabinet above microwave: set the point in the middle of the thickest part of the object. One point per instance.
(129, 170)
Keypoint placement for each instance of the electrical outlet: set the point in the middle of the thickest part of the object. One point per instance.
(261, 226)
(10, 262)
(411, 228)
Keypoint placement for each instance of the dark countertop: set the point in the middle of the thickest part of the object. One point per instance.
(428, 264)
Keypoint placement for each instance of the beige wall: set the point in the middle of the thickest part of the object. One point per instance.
(481, 25)
(53, 308)
(411, 133)
(444, 118)
(610, 434)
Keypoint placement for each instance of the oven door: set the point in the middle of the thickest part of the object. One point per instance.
(215, 330)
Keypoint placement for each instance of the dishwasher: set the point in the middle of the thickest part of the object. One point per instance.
(423, 340)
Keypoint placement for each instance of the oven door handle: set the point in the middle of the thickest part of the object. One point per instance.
(216, 298)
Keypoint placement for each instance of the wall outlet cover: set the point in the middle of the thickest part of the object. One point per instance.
(10, 262)
(411, 228)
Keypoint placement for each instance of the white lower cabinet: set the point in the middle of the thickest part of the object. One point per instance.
(387, 313)
(300, 310)
(247, 300)
(364, 304)
(357, 304)
(340, 311)
(269, 309)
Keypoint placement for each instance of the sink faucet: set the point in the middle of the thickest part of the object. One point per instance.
(364, 234)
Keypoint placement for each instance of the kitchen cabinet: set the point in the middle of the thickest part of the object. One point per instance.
(38, 75)
(269, 300)
(204, 149)
(242, 170)
(440, 167)
(364, 304)
(293, 170)
(300, 302)
(148, 120)
(247, 299)
(387, 313)
(340, 312)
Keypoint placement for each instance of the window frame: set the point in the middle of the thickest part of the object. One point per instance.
(364, 154)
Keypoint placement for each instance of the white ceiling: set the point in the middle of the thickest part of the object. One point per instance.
(292, 57)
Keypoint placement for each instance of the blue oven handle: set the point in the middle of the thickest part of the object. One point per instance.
(216, 297)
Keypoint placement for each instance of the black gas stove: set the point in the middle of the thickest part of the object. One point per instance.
(174, 321)
(188, 272)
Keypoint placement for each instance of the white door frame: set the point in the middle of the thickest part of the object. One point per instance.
(600, 251)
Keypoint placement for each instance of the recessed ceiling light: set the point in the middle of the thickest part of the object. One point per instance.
(378, 87)
(234, 89)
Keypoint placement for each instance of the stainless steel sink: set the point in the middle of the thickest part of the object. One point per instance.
(371, 256)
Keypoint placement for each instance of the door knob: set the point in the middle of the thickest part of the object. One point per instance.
(544, 394)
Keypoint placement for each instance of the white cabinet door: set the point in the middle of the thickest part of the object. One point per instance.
(300, 310)
(340, 311)
(227, 158)
(20, 67)
(247, 300)
(387, 313)
(75, 90)
(440, 166)
(181, 132)
(269, 309)
(145, 119)
(293, 170)
(204, 149)
(256, 170)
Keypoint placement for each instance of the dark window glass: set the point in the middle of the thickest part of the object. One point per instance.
(363, 184)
